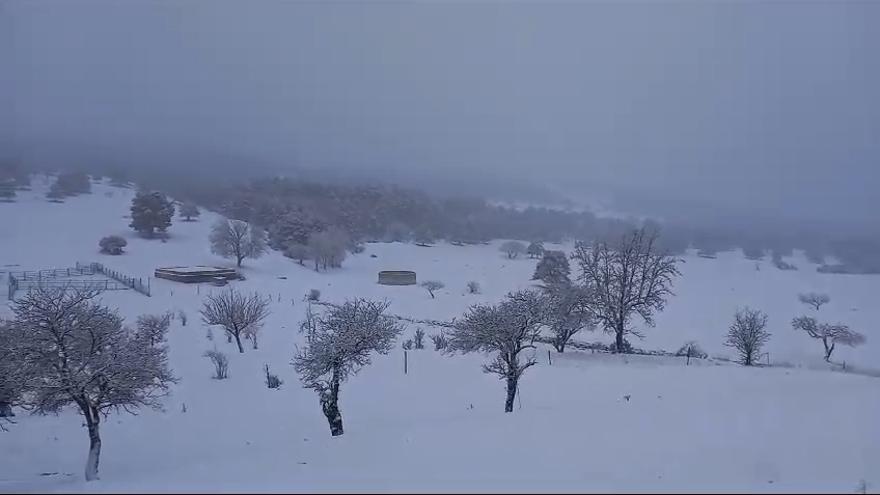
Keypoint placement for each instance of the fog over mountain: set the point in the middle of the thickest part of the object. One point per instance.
(699, 111)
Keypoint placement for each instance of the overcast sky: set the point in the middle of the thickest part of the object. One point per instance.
(758, 107)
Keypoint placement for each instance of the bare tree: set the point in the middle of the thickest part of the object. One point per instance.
(238, 314)
(814, 299)
(513, 249)
(432, 285)
(220, 362)
(506, 329)
(77, 352)
(340, 344)
(626, 279)
(237, 239)
(567, 313)
(153, 328)
(747, 334)
(830, 335)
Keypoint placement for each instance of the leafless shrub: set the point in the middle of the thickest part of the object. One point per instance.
(220, 362)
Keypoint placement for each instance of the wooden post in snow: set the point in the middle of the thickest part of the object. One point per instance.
(549, 360)
(405, 362)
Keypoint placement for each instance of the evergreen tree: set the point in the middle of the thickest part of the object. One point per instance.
(151, 212)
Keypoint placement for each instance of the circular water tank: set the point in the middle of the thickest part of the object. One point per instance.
(397, 277)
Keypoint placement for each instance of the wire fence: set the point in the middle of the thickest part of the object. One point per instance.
(65, 278)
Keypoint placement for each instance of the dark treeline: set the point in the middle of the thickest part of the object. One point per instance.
(293, 208)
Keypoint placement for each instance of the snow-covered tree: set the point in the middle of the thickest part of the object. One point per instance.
(432, 285)
(112, 244)
(77, 352)
(328, 248)
(748, 335)
(814, 299)
(829, 334)
(11, 372)
(151, 212)
(505, 329)
(567, 313)
(627, 278)
(298, 252)
(188, 210)
(512, 249)
(339, 344)
(239, 314)
(153, 328)
(552, 269)
(237, 239)
(535, 249)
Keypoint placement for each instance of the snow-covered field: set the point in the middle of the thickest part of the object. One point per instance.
(441, 427)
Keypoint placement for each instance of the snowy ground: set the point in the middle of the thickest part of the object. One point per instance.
(441, 427)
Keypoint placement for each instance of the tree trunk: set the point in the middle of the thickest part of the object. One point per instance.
(238, 341)
(618, 340)
(238, 260)
(6, 410)
(330, 406)
(560, 346)
(828, 351)
(511, 394)
(92, 420)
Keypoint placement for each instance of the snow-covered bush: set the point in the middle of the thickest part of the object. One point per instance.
(220, 362)
(313, 295)
(272, 381)
(407, 345)
(339, 344)
(440, 341)
(183, 317)
(419, 339)
(112, 244)
(473, 287)
(691, 349)
(431, 286)
(748, 335)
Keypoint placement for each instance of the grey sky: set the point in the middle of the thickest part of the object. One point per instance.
(755, 107)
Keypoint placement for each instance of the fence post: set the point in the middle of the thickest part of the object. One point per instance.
(549, 361)
(405, 362)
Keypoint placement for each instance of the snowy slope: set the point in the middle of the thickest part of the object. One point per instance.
(441, 426)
